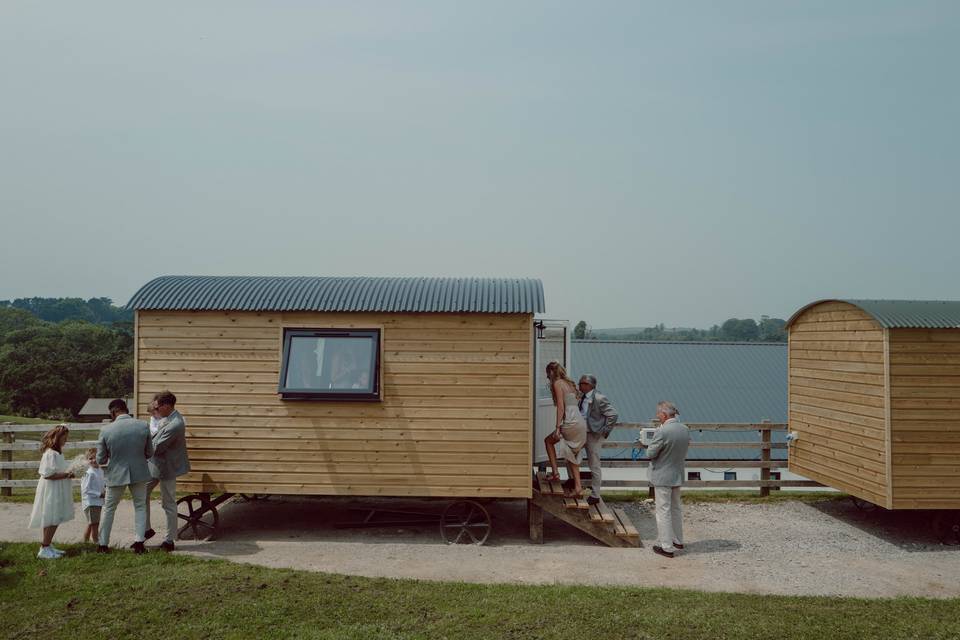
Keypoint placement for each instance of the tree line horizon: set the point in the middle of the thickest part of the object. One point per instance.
(767, 329)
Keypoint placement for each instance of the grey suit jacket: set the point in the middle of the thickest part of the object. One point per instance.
(601, 416)
(124, 446)
(667, 453)
(170, 448)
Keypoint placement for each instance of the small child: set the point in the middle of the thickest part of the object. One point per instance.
(92, 490)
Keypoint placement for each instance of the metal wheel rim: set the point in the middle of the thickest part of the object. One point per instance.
(465, 522)
(201, 519)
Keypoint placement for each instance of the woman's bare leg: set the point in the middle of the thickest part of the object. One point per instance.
(48, 535)
(574, 470)
(549, 442)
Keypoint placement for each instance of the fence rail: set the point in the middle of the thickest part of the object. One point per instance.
(765, 463)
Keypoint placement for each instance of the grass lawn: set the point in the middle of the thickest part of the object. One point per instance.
(170, 596)
(22, 420)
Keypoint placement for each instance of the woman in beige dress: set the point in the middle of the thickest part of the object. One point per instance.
(570, 436)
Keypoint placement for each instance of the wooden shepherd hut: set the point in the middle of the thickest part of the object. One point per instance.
(874, 399)
(345, 386)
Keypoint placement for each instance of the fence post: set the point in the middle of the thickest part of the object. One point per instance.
(7, 456)
(765, 439)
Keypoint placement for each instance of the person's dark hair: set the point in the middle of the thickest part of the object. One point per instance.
(118, 405)
(165, 397)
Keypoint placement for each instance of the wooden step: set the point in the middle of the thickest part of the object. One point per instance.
(597, 521)
(624, 523)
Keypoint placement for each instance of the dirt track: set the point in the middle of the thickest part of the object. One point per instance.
(829, 548)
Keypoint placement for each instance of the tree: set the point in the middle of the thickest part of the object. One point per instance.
(736, 330)
(772, 329)
(580, 330)
(47, 368)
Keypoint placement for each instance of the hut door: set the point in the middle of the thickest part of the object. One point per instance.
(554, 345)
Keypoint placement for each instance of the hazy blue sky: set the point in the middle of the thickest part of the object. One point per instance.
(651, 162)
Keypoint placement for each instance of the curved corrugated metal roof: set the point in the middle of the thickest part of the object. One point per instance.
(902, 314)
(261, 293)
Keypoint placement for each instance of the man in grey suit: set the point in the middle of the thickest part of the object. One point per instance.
(124, 446)
(600, 417)
(667, 453)
(169, 462)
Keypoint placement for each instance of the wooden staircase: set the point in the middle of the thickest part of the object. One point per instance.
(610, 526)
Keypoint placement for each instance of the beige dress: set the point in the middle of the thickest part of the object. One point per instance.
(573, 431)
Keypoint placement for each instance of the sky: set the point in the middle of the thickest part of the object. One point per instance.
(650, 162)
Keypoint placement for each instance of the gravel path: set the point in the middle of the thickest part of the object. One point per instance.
(829, 548)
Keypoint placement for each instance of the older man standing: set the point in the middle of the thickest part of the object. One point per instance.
(169, 461)
(124, 446)
(667, 453)
(600, 417)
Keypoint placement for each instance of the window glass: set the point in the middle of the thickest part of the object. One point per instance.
(729, 475)
(320, 363)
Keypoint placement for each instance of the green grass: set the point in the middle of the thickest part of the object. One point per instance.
(749, 496)
(171, 596)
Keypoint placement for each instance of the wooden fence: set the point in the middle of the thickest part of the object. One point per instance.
(765, 464)
(10, 444)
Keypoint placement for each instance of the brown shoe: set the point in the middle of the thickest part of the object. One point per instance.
(659, 550)
(138, 548)
(678, 545)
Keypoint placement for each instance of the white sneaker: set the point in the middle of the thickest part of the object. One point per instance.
(57, 551)
(46, 553)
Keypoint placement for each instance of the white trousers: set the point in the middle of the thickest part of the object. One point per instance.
(669, 517)
(594, 447)
(138, 492)
(168, 498)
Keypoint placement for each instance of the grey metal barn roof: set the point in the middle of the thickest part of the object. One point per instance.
(903, 314)
(708, 381)
(411, 295)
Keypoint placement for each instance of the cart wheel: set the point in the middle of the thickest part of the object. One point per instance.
(198, 518)
(465, 522)
(946, 526)
(863, 505)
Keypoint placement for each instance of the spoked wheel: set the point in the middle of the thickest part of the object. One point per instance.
(465, 522)
(863, 505)
(197, 517)
(946, 526)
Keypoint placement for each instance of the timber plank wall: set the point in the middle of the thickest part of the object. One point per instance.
(455, 420)
(837, 390)
(925, 418)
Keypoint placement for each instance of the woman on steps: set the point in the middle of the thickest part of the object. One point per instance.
(570, 436)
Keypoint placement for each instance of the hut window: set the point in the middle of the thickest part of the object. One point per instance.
(729, 475)
(330, 364)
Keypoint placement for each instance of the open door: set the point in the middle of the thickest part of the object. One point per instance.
(553, 343)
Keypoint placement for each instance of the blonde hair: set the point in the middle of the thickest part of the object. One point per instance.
(91, 453)
(51, 439)
(555, 371)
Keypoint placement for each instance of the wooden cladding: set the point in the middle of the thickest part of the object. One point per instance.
(877, 411)
(455, 419)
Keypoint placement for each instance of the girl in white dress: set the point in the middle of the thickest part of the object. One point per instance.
(53, 504)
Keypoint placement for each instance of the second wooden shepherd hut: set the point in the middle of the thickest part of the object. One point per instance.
(874, 397)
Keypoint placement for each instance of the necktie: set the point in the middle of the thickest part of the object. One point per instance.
(583, 399)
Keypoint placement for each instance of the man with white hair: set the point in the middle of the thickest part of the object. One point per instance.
(667, 453)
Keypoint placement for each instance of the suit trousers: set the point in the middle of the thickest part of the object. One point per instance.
(669, 517)
(168, 498)
(594, 447)
(138, 492)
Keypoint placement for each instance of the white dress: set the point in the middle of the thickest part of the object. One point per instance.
(54, 501)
